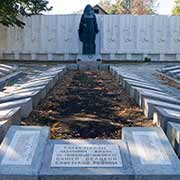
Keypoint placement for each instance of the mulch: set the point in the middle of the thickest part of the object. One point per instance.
(85, 105)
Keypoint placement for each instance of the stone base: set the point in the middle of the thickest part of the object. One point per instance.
(21, 152)
(151, 154)
(52, 170)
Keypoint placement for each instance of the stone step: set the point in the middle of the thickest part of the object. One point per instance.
(22, 152)
(151, 154)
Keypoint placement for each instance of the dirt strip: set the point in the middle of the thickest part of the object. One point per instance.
(87, 105)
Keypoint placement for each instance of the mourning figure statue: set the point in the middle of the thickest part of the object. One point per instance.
(88, 29)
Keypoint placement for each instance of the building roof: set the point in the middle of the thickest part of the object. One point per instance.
(99, 7)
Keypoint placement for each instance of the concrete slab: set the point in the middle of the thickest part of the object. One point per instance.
(124, 82)
(129, 83)
(21, 152)
(7, 118)
(141, 94)
(9, 77)
(8, 66)
(42, 90)
(4, 70)
(35, 84)
(4, 126)
(151, 154)
(162, 116)
(134, 92)
(126, 78)
(25, 104)
(87, 168)
(13, 114)
(34, 95)
(173, 134)
(149, 106)
(170, 68)
(174, 72)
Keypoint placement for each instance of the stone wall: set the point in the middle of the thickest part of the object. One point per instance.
(122, 37)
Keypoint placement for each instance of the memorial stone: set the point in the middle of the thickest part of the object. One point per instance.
(162, 116)
(151, 154)
(87, 160)
(21, 152)
(173, 133)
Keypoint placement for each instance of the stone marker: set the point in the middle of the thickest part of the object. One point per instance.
(151, 153)
(87, 160)
(7, 118)
(162, 116)
(42, 90)
(34, 95)
(35, 84)
(128, 85)
(126, 82)
(174, 72)
(50, 80)
(4, 126)
(170, 68)
(135, 91)
(13, 114)
(156, 96)
(21, 152)
(173, 133)
(149, 106)
(25, 104)
(124, 79)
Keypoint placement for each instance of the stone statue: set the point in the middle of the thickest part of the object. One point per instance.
(88, 29)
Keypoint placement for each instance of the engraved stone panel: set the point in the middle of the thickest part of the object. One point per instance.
(150, 148)
(22, 148)
(86, 155)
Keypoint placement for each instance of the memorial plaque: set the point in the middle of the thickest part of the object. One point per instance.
(86, 155)
(150, 148)
(22, 148)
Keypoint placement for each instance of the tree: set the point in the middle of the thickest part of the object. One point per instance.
(130, 6)
(176, 9)
(12, 11)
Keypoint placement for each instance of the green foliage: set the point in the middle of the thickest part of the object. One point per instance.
(130, 6)
(147, 59)
(176, 9)
(12, 11)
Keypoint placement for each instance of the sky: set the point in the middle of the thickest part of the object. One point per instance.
(70, 6)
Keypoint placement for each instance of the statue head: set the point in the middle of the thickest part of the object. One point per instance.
(88, 10)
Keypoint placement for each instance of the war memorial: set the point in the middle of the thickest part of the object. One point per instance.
(90, 97)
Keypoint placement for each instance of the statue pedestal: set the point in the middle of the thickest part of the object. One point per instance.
(92, 58)
(89, 62)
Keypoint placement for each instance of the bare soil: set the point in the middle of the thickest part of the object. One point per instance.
(87, 104)
(167, 81)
